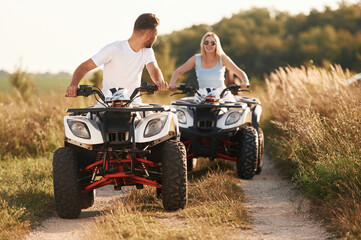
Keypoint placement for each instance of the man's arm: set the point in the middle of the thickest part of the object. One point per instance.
(78, 75)
(157, 76)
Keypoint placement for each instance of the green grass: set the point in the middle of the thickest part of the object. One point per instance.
(43, 82)
(26, 195)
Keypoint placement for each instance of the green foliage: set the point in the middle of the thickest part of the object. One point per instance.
(260, 40)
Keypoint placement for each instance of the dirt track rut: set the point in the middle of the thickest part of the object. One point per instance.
(277, 211)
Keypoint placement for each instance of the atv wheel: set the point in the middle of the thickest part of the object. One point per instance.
(174, 175)
(65, 179)
(260, 150)
(87, 199)
(248, 153)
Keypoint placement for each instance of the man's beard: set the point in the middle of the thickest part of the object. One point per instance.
(149, 43)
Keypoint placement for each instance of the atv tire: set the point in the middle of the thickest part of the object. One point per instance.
(260, 151)
(65, 180)
(248, 153)
(87, 199)
(174, 175)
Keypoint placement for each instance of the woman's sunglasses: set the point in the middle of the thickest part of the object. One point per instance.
(212, 43)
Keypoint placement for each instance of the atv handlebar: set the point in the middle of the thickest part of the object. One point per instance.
(234, 88)
(185, 88)
(148, 88)
(87, 90)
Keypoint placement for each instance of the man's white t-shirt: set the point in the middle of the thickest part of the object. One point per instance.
(122, 66)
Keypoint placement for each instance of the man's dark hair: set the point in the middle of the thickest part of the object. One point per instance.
(146, 21)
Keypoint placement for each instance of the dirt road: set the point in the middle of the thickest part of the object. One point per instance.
(277, 212)
(56, 228)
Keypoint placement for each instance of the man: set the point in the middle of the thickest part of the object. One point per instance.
(124, 61)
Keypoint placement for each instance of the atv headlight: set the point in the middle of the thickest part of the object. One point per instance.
(79, 129)
(154, 126)
(181, 116)
(233, 118)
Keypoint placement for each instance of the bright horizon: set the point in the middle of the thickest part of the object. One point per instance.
(48, 36)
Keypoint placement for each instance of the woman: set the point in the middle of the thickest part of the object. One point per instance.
(210, 67)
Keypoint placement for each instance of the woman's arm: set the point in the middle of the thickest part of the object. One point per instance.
(180, 71)
(230, 65)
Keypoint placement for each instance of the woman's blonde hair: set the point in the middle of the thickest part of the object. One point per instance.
(219, 50)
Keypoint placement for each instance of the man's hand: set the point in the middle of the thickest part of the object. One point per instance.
(162, 85)
(79, 73)
(71, 91)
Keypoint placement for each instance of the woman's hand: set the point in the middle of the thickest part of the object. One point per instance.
(243, 85)
(173, 86)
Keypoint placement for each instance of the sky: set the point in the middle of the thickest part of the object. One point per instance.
(53, 36)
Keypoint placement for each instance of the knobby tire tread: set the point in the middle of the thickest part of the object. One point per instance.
(260, 150)
(174, 175)
(65, 180)
(248, 153)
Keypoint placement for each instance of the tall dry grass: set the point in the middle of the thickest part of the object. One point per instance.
(33, 128)
(319, 131)
(30, 131)
(214, 211)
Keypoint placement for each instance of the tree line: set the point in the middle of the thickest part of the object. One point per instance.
(260, 40)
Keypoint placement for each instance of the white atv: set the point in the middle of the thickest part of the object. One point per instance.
(211, 127)
(119, 144)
